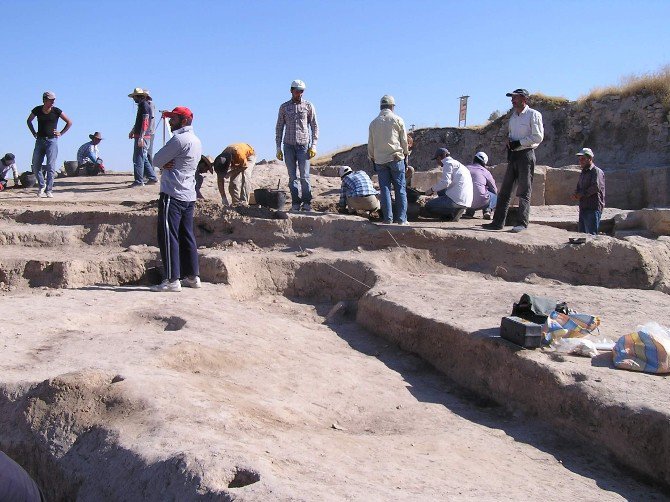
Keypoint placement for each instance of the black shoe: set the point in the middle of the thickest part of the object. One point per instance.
(492, 226)
(151, 181)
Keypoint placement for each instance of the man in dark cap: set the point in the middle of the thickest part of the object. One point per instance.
(7, 164)
(525, 133)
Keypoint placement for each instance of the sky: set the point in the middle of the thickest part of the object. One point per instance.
(232, 62)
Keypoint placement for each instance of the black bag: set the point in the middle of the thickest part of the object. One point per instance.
(537, 308)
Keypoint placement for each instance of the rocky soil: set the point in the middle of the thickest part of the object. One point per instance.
(326, 357)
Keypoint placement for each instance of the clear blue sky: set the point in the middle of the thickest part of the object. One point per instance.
(232, 62)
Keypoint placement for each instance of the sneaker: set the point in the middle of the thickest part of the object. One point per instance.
(386, 222)
(40, 192)
(151, 181)
(295, 208)
(136, 184)
(487, 215)
(518, 228)
(189, 282)
(492, 226)
(403, 223)
(306, 207)
(50, 195)
(167, 287)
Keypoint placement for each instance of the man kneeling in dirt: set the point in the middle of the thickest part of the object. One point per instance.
(237, 161)
(88, 156)
(454, 190)
(357, 192)
(7, 164)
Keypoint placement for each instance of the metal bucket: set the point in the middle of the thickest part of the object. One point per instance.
(275, 199)
(28, 179)
(71, 167)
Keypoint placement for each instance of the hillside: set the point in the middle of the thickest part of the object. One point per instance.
(623, 130)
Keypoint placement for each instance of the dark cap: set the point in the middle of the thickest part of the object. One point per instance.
(518, 92)
(9, 157)
(440, 152)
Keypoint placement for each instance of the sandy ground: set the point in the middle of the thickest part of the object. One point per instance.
(215, 394)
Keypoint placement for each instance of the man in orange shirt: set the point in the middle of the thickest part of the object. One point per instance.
(237, 161)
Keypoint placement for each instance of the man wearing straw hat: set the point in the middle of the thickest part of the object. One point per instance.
(88, 155)
(141, 136)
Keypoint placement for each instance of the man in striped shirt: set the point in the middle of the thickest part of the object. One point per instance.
(357, 192)
(295, 120)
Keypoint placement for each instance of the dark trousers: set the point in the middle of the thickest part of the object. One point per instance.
(589, 221)
(519, 175)
(176, 241)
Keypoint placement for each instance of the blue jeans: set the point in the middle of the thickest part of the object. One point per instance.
(392, 174)
(48, 147)
(589, 221)
(141, 162)
(297, 161)
(442, 205)
(493, 198)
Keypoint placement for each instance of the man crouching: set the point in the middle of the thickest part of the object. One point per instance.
(178, 160)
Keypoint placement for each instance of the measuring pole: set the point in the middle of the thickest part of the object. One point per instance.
(463, 111)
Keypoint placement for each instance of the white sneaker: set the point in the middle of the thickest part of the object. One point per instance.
(518, 228)
(40, 192)
(187, 282)
(167, 287)
(50, 195)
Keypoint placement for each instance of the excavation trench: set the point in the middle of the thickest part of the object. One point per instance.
(404, 285)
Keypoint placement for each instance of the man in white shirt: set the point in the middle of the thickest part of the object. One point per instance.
(454, 189)
(7, 165)
(526, 132)
(387, 149)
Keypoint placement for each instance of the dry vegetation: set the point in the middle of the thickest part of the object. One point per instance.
(657, 83)
(326, 158)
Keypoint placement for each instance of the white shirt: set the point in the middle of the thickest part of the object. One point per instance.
(4, 170)
(526, 127)
(387, 138)
(456, 181)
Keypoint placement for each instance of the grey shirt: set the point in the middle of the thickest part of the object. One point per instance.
(185, 149)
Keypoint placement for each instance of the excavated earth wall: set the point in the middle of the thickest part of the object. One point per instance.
(434, 291)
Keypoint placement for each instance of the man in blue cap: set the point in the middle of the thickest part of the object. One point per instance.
(525, 133)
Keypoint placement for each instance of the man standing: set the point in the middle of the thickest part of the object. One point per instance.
(295, 119)
(7, 164)
(46, 140)
(152, 126)
(88, 155)
(590, 193)
(526, 132)
(454, 189)
(141, 136)
(178, 160)
(357, 192)
(387, 149)
(237, 161)
(485, 192)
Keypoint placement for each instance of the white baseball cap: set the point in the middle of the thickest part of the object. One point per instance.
(298, 84)
(483, 157)
(387, 100)
(344, 170)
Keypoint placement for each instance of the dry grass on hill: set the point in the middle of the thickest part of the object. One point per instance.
(657, 83)
(326, 158)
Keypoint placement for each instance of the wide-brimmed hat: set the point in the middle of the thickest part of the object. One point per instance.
(518, 92)
(207, 160)
(138, 91)
(96, 135)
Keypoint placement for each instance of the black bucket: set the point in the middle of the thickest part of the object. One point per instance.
(274, 199)
(28, 179)
(72, 167)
